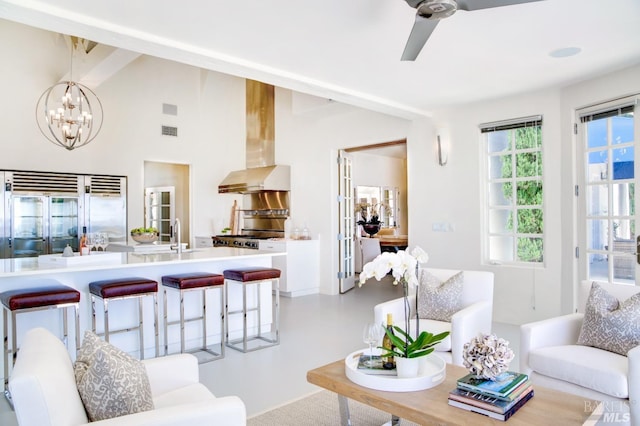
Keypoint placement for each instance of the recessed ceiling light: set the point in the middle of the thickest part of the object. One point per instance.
(565, 52)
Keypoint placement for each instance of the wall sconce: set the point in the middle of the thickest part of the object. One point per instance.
(443, 152)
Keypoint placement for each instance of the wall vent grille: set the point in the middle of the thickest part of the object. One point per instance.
(169, 131)
(105, 185)
(44, 182)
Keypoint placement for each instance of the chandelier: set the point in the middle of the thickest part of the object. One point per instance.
(69, 114)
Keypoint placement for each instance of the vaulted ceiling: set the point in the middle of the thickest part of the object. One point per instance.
(349, 50)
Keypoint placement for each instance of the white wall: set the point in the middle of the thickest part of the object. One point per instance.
(455, 191)
(454, 194)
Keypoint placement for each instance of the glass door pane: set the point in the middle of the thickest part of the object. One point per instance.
(160, 211)
(27, 227)
(63, 223)
(346, 224)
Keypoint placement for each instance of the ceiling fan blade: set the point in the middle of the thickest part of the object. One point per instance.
(422, 29)
(470, 5)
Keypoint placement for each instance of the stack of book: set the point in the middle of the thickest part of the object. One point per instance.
(373, 364)
(498, 398)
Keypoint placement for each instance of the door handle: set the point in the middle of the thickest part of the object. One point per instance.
(638, 249)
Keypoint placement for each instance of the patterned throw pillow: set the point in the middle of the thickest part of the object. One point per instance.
(609, 324)
(439, 300)
(111, 383)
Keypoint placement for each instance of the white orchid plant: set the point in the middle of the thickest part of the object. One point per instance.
(404, 268)
(402, 265)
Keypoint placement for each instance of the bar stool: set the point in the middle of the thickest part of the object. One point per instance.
(54, 296)
(246, 277)
(121, 289)
(189, 282)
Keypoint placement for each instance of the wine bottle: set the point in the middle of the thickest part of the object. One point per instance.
(388, 362)
(83, 249)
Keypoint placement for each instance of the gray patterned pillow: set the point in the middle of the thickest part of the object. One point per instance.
(609, 324)
(111, 383)
(439, 300)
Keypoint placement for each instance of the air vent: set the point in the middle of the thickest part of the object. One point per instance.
(45, 182)
(169, 131)
(105, 185)
(170, 109)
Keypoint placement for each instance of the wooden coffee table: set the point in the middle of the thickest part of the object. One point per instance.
(547, 407)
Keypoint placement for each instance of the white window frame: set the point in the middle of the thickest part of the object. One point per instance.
(488, 181)
(610, 254)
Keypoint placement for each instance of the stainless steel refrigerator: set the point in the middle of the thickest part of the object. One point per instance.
(44, 212)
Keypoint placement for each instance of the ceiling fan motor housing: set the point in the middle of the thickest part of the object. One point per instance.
(437, 9)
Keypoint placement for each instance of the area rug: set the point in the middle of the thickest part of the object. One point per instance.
(321, 409)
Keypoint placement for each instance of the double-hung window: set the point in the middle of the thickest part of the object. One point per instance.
(514, 227)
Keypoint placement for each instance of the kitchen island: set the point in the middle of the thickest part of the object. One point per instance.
(78, 273)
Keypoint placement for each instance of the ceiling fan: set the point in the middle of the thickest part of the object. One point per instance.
(430, 12)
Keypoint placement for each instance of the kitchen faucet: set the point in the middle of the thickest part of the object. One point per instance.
(176, 237)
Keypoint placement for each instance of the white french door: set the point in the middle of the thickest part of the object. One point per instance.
(346, 223)
(608, 165)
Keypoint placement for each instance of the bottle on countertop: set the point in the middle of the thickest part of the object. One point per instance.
(83, 248)
(388, 362)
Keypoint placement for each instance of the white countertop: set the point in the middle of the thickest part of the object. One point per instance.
(31, 266)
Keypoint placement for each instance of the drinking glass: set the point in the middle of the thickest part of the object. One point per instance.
(90, 241)
(105, 241)
(371, 335)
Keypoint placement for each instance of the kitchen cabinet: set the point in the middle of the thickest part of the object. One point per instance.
(300, 267)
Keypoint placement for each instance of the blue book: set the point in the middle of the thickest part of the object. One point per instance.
(504, 383)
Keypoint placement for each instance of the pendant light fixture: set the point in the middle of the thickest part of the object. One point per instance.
(69, 114)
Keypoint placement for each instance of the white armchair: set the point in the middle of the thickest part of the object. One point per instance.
(473, 318)
(549, 353)
(44, 392)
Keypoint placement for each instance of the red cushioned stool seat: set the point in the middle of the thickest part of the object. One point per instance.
(23, 300)
(194, 280)
(120, 289)
(26, 298)
(253, 276)
(189, 282)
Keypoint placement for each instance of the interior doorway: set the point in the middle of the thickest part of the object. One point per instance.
(382, 165)
(161, 211)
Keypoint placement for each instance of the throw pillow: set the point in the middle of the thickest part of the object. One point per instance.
(609, 324)
(111, 383)
(439, 300)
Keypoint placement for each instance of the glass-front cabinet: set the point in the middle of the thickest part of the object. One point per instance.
(42, 224)
(63, 223)
(28, 226)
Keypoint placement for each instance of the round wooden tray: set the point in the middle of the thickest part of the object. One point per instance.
(433, 374)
